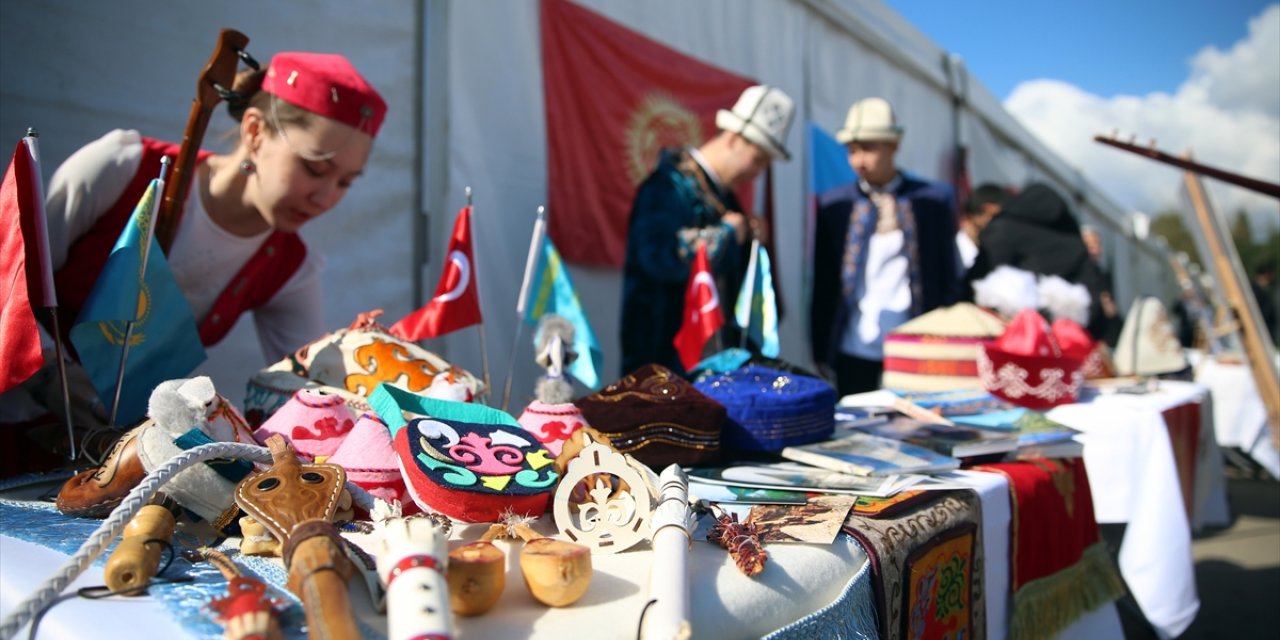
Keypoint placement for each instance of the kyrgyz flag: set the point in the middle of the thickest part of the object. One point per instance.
(136, 298)
(21, 289)
(614, 98)
(456, 303)
(702, 314)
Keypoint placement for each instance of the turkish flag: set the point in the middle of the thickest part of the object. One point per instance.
(457, 301)
(614, 99)
(19, 336)
(702, 314)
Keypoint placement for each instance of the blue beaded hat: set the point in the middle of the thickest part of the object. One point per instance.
(770, 409)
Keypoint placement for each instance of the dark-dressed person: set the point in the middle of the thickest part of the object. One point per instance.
(1037, 232)
(689, 198)
(884, 252)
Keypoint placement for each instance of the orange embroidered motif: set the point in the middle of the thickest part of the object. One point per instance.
(389, 362)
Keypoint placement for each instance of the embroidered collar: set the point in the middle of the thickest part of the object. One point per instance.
(889, 187)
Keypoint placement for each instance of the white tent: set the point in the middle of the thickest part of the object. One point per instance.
(464, 83)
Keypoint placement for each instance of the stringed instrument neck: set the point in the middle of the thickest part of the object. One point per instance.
(215, 80)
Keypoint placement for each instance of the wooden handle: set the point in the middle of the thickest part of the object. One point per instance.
(318, 571)
(134, 562)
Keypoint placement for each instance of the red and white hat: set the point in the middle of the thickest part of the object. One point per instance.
(328, 85)
(1028, 366)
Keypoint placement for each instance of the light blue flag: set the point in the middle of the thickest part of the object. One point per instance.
(164, 343)
(551, 291)
(830, 167)
(756, 309)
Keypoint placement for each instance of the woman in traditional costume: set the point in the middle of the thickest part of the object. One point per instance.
(306, 124)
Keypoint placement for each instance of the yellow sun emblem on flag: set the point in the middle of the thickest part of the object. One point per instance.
(658, 122)
(113, 331)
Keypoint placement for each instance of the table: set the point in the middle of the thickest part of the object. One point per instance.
(1239, 417)
(1134, 478)
(807, 590)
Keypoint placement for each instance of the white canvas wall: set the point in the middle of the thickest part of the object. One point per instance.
(74, 70)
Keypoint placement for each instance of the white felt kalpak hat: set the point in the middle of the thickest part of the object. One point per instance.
(870, 120)
(763, 115)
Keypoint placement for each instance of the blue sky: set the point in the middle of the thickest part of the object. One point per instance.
(1199, 76)
(1104, 47)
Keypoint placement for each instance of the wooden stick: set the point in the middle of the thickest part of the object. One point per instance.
(1225, 265)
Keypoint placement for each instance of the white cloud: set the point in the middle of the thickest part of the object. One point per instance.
(1227, 113)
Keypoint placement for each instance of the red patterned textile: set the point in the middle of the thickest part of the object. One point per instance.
(1060, 569)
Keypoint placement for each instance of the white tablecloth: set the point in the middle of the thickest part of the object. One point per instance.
(1239, 417)
(801, 579)
(1134, 480)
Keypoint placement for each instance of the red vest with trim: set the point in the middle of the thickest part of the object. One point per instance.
(255, 284)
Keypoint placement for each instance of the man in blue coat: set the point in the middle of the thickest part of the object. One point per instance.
(884, 252)
(689, 198)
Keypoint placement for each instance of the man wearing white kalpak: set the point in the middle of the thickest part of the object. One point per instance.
(884, 252)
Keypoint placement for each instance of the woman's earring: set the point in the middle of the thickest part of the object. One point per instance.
(248, 168)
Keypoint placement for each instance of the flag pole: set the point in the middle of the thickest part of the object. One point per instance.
(48, 294)
(475, 271)
(128, 327)
(751, 293)
(539, 228)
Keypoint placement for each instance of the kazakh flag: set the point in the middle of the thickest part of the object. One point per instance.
(757, 307)
(135, 285)
(551, 291)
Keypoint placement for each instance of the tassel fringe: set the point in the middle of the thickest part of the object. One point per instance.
(1044, 608)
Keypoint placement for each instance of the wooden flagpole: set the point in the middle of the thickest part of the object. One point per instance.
(1225, 264)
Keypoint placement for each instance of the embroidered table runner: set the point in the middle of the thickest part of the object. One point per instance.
(927, 566)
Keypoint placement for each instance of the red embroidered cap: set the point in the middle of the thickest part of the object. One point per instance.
(326, 84)
(1028, 365)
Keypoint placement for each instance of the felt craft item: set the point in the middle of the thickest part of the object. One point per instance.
(552, 424)
(270, 389)
(1148, 345)
(658, 418)
(767, 410)
(184, 414)
(367, 455)
(1026, 365)
(313, 422)
(467, 461)
(365, 354)
(938, 351)
(328, 85)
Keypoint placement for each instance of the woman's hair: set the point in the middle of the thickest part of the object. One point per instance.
(248, 93)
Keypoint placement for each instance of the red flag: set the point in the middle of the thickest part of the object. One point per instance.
(19, 335)
(702, 314)
(614, 99)
(457, 301)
